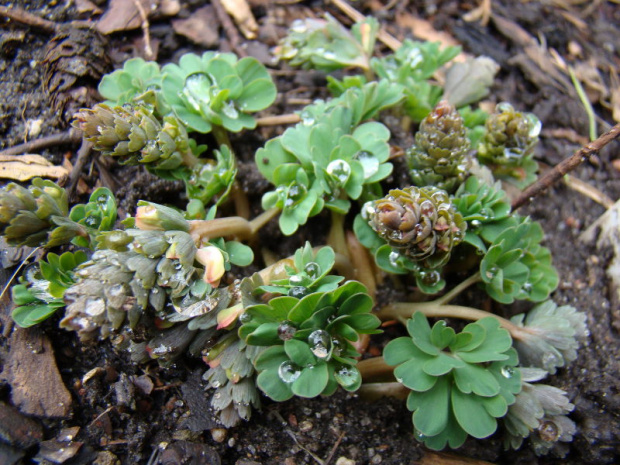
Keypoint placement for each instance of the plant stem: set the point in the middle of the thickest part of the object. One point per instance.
(291, 118)
(375, 368)
(455, 291)
(404, 310)
(221, 136)
(262, 219)
(362, 266)
(220, 227)
(189, 159)
(335, 237)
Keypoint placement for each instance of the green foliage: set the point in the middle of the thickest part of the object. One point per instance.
(309, 274)
(98, 215)
(516, 266)
(326, 160)
(411, 66)
(507, 146)
(460, 383)
(308, 340)
(326, 45)
(213, 179)
(217, 89)
(138, 81)
(42, 288)
(482, 207)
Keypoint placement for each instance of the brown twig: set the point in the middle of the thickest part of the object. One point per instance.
(82, 157)
(23, 17)
(144, 24)
(389, 40)
(72, 136)
(564, 167)
(229, 28)
(291, 118)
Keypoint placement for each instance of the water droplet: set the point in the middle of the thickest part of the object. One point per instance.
(306, 118)
(440, 197)
(535, 125)
(329, 55)
(427, 208)
(289, 371)
(370, 164)
(429, 277)
(229, 110)
(320, 343)
(548, 431)
(313, 270)
(298, 291)
(492, 272)
(245, 318)
(296, 280)
(102, 201)
(368, 210)
(504, 107)
(512, 153)
(295, 194)
(393, 257)
(507, 371)
(298, 26)
(94, 306)
(90, 221)
(419, 436)
(178, 266)
(475, 224)
(550, 360)
(196, 90)
(286, 330)
(347, 376)
(340, 170)
(215, 384)
(527, 287)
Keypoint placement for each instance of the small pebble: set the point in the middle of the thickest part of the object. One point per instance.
(218, 434)
(305, 426)
(344, 461)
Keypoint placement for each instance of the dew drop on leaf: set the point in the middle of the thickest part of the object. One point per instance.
(296, 280)
(369, 163)
(286, 330)
(320, 343)
(94, 306)
(298, 291)
(548, 431)
(507, 372)
(347, 376)
(339, 169)
(312, 269)
(229, 110)
(289, 371)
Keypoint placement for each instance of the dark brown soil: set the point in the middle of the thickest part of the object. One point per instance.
(118, 422)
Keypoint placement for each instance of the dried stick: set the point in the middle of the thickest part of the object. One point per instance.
(229, 28)
(82, 156)
(389, 40)
(23, 17)
(72, 136)
(144, 24)
(290, 118)
(564, 167)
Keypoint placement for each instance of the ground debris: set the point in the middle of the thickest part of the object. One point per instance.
(18, 430)
(61, 448)
(36, 386)
(201, 27)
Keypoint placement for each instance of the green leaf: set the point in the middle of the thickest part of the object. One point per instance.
(265, 335)
(239, 254)
(412, 375)
(273, 386)
(442, 364)
(471, 415)
(431, 408)
(299, 352)
(472, 378)
(420, 331)
(312, 381)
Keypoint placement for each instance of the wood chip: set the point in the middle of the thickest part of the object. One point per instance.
(242, 14)
(28, 166)
(202, 27)
(36, 385)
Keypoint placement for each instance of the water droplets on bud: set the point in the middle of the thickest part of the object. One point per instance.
(548, 431)
(440, 197)
(535, 125)
(320, 343)
(313, 270)
(289, 371)
(513, 153)
(102, 202)
(339, 169)
(347, 376)
(286, 330)
(507, 371)
(94, 306)
(90, 221)
(368, 210)
(298, 292)
(427, 208)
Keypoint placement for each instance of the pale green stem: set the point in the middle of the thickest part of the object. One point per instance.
(262, 219)
(335, 237)
(189, 159)
(404, 310)
(374, 367)
(221, 136)
(585, 102)
(455, 291)
(220, 227)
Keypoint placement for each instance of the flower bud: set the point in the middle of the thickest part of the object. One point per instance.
(212, 259)
(155, 217)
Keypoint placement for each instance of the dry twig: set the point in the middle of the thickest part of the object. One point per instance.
(564, 167)
(82, 156)
(144, 24)
(23, 17)
(231, 31)
(72, 136)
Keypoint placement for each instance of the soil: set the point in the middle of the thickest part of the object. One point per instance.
(119, 423)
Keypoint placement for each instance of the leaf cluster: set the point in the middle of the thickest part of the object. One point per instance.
(460, 383)
(327, 159)
(308, 340)
(41, 288)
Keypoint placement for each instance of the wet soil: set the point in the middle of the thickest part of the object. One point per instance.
(121, 424)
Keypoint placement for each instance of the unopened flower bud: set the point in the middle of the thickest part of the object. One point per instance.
(155, 217)
(212, 259)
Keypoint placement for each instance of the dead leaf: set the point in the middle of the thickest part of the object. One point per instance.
(36, 385)
(28, 166)
(242, 14)
(123, 15)
(201, 27)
